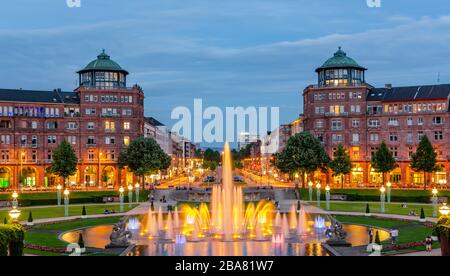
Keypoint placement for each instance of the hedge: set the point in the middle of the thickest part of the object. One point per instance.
(11, 240)
(442, 227)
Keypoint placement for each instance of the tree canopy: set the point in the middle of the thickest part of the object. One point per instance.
(64, 162)
(424, 159)
(383, 161)
(144, 156)
(341, 164)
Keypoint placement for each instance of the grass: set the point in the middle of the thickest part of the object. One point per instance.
(417, 196)
(409, 231)
(55, 212)
(375, 207)
(47, 235)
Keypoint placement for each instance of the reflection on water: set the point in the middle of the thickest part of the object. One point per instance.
(218, 248)
(95, 237)
(98, 237)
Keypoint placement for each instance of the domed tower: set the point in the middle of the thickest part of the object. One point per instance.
(341, 70)
(103, 73)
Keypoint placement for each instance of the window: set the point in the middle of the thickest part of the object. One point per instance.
(91, 140)
(437, 120)
(126, 140)
(34, 156)
(438, 135)
(420, 135)
(5, 124)
(394, 151)
(126, 125)
(393, 122)
(320, 110)
(51, 139)
(50, 155)
(336, 124)
(34, 125)
(337, 138)
(420, 121)
(52, 125)
(409, 138)
(23, 140)
(72, 125)
(355, 109)
(72, 140)
(337, 109)
(355, 123)
(393, 137)
(110, 126)
(374, 137)
(374, 123)
(5, 139)
(110, 140)
(320, 124)
(127, 112)
(409, 121)
(91, 155)
(355, 138)
(91, 111)
(34, 141)
(90, 125)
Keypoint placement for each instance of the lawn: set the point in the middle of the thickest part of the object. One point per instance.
(409, 231)
(375, 207)
(47, 235)
(54, 212)
(417, 196)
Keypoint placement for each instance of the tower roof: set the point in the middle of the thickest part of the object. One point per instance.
(340, 60)
(103, 63)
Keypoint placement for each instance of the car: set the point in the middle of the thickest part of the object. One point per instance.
(210, 178)
(238, 178)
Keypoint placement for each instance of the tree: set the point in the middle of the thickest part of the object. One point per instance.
(377, 238)
(367, 209)
(144, 156)
(383, 161)
(81, 241)
(304, 154)
(422, 214)
(5, 221)
(341, 164)
(83, 212)
(30, 217)
(64, 161)
(424, 159)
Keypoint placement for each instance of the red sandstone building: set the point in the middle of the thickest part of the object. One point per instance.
(99, 119)
(344, 108)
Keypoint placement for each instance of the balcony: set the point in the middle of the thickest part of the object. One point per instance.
(91, 145)
(333, 114)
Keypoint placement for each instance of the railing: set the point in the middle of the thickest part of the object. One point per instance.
(334, 114)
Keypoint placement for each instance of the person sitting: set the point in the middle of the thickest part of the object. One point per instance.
(106, 212)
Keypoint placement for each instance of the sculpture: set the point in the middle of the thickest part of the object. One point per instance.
(337, 235)
(119, 236)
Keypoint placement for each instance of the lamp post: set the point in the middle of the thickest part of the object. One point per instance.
(435, 202)
(296, 181)
(383, 199)
(15, 202)
(58, 194)
(14, 214)
(318, 186)
(121, 190)
(388, 191)
(444, 210)
(328, 196)
(136, 187)
(130, 196)
(310, 185)
(66, 202)
(22, 155)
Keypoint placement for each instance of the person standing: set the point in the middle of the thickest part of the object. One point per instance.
(370, 232)
(429, 244)
(394, 236)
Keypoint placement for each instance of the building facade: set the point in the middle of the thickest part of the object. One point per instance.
(342, 108)
(99, 119)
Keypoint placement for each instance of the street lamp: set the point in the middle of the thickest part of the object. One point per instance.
(296, 181)
(14, 214)
(121, 190)
(435, 202)
(22, 155)
(388, 190)
(444, 210)
(310, 185)
(130, 196)
(58, 194)
(328, 196)
(318, 186)
(383, 198)
(137, 186)
(15, 202)
(66, 202)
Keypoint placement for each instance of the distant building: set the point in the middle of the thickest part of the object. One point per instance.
(158, 131)
(342, 108)
(245, 139)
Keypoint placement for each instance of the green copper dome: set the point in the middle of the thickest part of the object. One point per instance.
(103, 63)
(340, 60)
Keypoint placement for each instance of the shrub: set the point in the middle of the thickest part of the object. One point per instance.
(11, 239)
(30, 217)
(83, 213)
(367, 209)
(81, 241)
(377, 238)
(422, 214)
(5, 221)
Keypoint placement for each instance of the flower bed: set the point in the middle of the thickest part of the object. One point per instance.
(403, 246)
(45, 248)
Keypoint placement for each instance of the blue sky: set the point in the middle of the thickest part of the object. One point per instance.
(234, 52)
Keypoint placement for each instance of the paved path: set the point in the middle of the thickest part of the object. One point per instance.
(433, 253)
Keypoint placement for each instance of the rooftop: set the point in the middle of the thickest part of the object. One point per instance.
(340, 60)
(103, 63)
(410, 93)
(37, 96)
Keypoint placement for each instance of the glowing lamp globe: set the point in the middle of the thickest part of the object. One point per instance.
(327, 188)
(15, 195)
(444, 210)
(14, 214)
(66, 192)
(382, 189)
(296, 176)
(121, 190)
(130, 187)
(389, 184)
(434, 191)
(137, 186)
(310, 184)
(59, 187)
(318, 186)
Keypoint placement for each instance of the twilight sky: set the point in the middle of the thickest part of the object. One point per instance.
(230, 53)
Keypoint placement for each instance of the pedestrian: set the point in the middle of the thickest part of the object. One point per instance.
(429, 244)
(394, 236)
